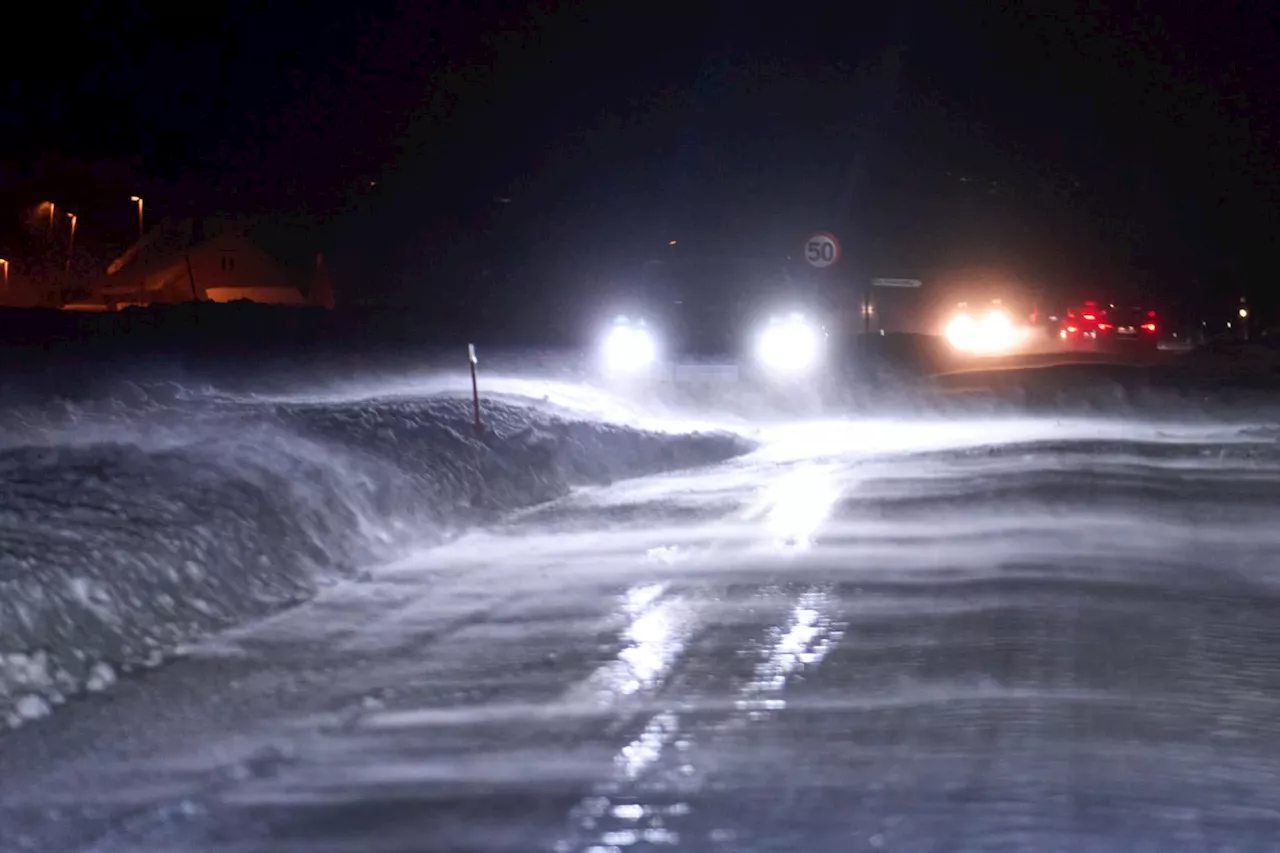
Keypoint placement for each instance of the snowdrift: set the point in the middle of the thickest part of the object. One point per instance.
(134, 527)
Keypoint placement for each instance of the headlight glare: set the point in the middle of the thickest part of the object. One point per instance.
(789, 346)
(629, 348)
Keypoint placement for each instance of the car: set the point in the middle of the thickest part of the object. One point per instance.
(986, 328)
(1081, 325)
(774, 350)
(700, 321)
(1129, 327)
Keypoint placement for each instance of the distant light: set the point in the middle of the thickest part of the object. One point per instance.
(1244, 313)
(135, 199)
(671, 242)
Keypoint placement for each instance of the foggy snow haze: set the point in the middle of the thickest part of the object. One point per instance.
(605, 428)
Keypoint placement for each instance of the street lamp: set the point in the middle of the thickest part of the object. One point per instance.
(71, 242)
(136, 199)
(5, 264)
(1244, 313)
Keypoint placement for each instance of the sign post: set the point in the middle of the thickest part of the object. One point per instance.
(475, 389)
(822, 249)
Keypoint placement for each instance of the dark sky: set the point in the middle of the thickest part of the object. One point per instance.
(1083, 146)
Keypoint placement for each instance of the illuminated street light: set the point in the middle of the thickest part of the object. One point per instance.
(136, 199)
(1244, 313)
(71, 243)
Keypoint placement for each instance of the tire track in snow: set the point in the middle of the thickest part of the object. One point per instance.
(645, 798)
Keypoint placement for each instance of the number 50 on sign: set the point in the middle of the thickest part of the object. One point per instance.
(821, 249)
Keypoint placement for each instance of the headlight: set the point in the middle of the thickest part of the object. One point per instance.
(790, 345)
(960, 332)
(629, 348)
(997, 332)
(992, 334)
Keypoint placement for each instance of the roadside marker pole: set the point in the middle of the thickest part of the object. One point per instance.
(475, 389)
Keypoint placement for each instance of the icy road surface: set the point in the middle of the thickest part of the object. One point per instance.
(1010, 635)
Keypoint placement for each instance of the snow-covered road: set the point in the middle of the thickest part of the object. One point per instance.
(1012, 635)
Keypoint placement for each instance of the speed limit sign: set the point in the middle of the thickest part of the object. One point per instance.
(821, 249)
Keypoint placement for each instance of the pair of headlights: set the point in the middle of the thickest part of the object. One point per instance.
(993, 333)
(787, 345)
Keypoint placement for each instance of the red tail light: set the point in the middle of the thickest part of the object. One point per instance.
(1072, 330)
(1151, 313)
(1150, 327)
(1102, 327)
(1091, 316)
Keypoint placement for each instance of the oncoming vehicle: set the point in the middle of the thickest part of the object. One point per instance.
(628, 349)
(780, 349)
(985, 329)
(700, 320)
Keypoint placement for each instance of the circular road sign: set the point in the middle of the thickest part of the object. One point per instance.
(821, 249)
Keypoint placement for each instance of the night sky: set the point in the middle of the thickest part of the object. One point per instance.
(520, 158)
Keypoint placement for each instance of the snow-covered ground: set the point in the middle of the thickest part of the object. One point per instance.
(1013, 633)
(128, 531)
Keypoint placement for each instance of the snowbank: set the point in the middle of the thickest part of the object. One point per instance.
(123, 535)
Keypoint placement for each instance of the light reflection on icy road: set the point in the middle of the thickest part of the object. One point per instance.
(1016, 636)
